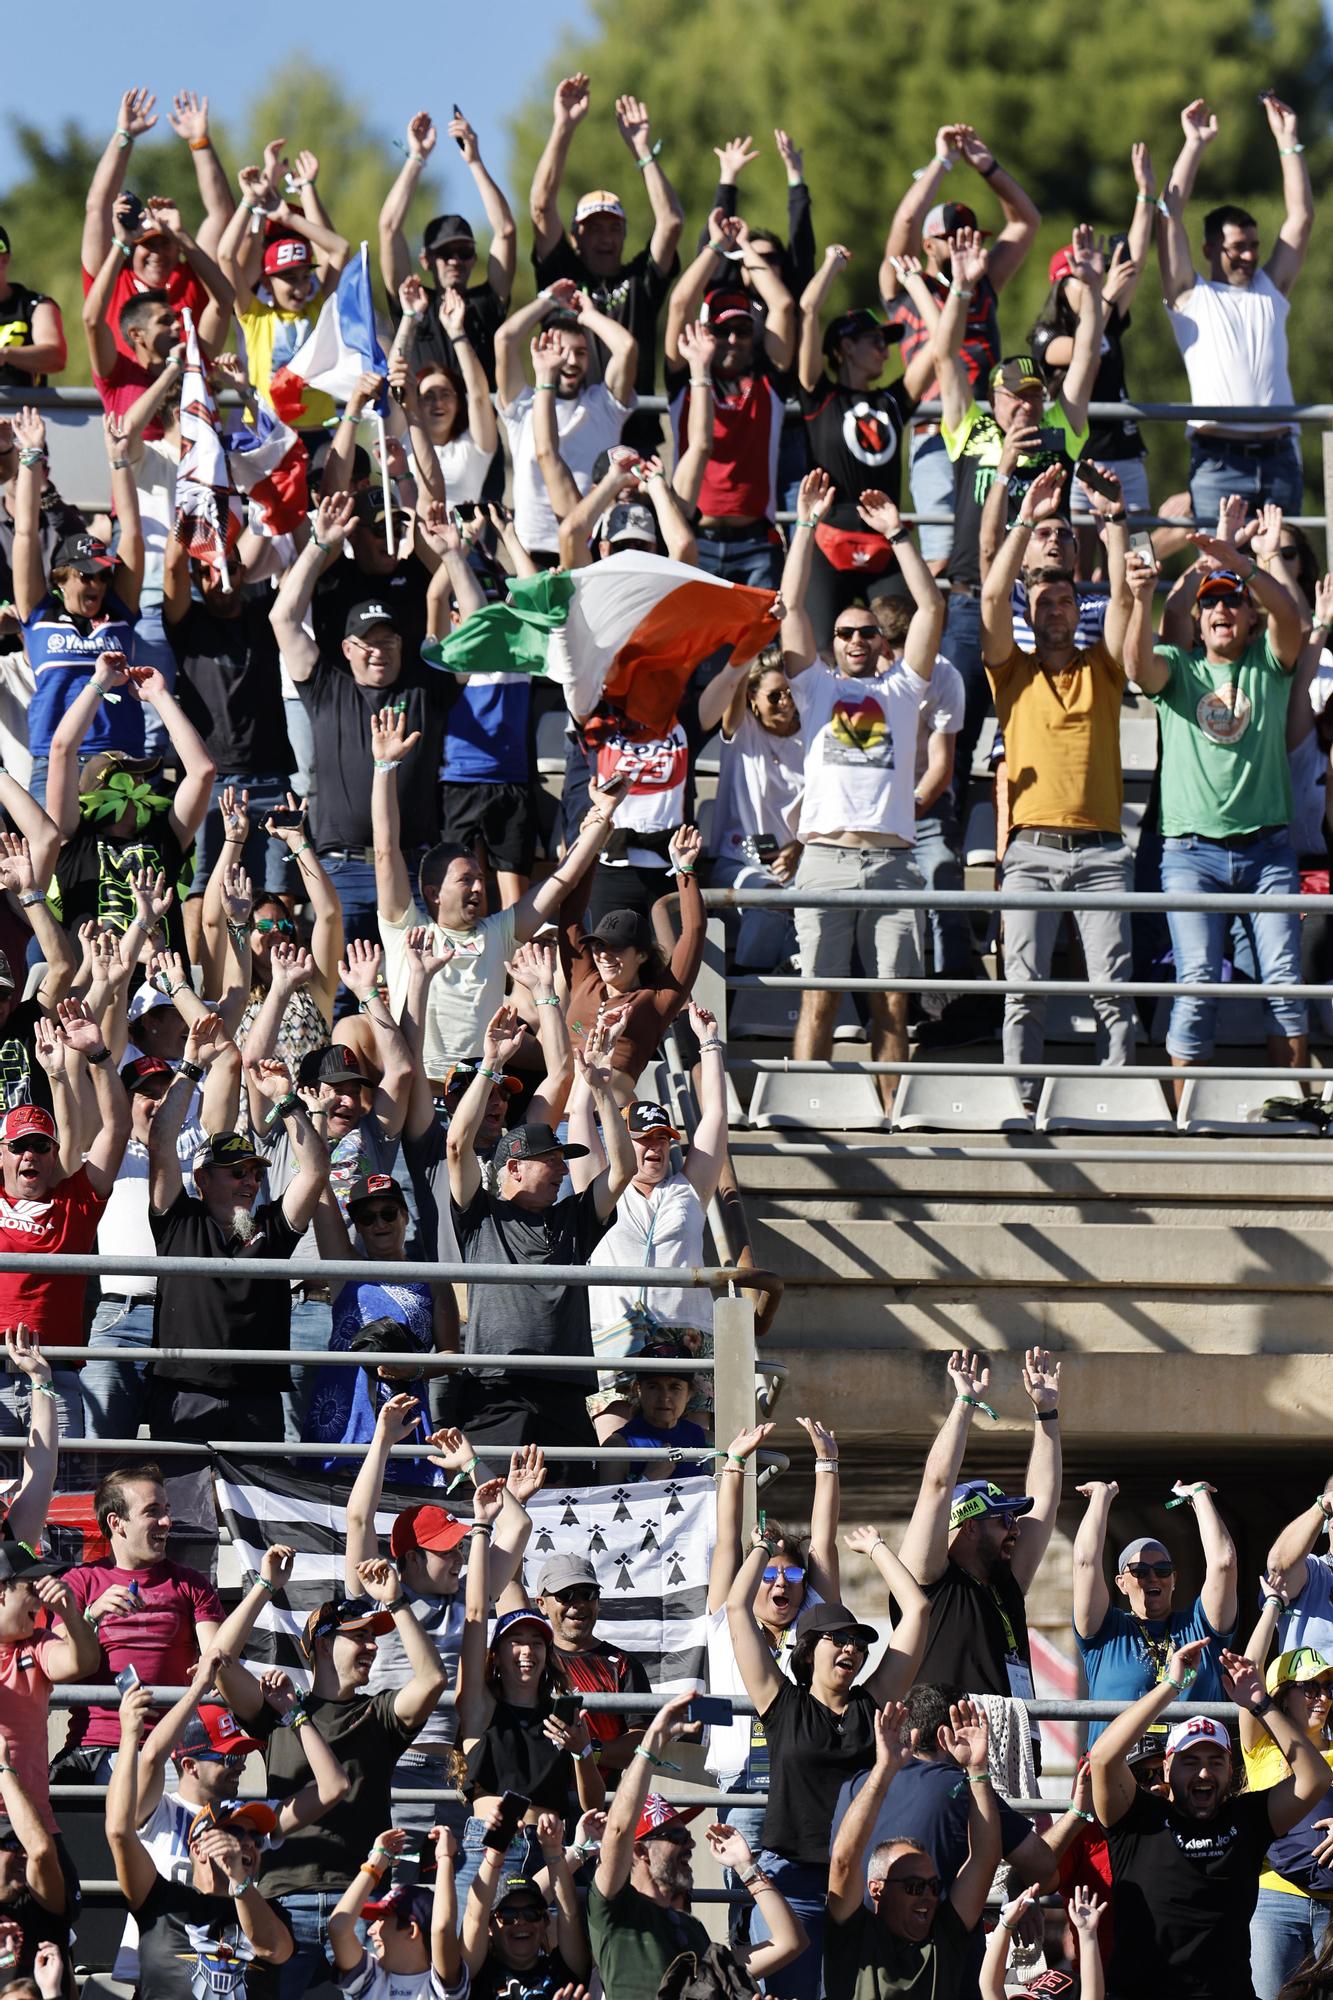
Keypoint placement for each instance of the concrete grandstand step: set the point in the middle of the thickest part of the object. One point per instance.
(972, 1103)
(1212, 1104)
(1104, 1101)
(847, 1102)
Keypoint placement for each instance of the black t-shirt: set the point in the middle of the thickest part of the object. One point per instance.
(228, 683)
(16, 313)
(431, 347)
(94, 870)
(345, 584)
(514, 1754)
(633, 297)
(1109, 440)
(855, 435)
(212, 1315)
(975, 472)
(864, 1960)
(811, 1754)
(57, 519)
(22, 1078)
(976, 1629)
(1183, 1891)
(536, 1318)
(368, 1739)
(541, 1981)
(340, 710)
(191, 1946)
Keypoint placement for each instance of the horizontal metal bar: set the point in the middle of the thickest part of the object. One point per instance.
(705, 1277)
(1172, 1152)
(556, 1454)
(427, 1364)
(997, 901)
(1077, 989)
(1157, 1072)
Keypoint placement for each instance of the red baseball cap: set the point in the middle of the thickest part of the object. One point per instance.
(1062, 263)
(658, 1815)
(213, 1727)
(426, 1528)
(22, 1119)
(286, 253)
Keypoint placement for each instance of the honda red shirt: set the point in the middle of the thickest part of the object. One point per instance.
(65, 1219)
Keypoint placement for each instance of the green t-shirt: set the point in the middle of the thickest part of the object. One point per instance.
(634, 1941)
(863, 1960)
(1224, 742)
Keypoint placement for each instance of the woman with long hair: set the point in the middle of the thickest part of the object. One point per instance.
(761, 772)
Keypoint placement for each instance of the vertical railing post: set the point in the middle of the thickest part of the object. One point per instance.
(733, 1382)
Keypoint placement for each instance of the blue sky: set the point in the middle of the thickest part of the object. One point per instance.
(394, 58)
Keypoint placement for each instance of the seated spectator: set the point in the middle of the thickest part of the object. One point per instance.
(32, 333)
(911, 1924)
(1125, 1647)
(761, 770)
(451, 401)
(656, 1416)
(505, 1925)
(413, 1929)
(44, 1639)
(638, 1906)
(448, 257)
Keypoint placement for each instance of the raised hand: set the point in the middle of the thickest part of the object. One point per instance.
(22, 1352)
(1041, 1379)
(1267, 537)
(746, 1443)
(1085, 1911)
(15, 864)
(724, 233)
(824, 1441)
(893, 1751)
(237, 895)
(732, 157)
(968, 1375)
(547, 351)
(49, 1045)
(420, 947)
(975, 150)
(398, 1418)
(1120, 275)
(136, 115)
(1183, 1664)
(29, 428)
(307, 166)
(290, 966)
(967, 1736)
(697, 344)
(1140, 575)
(970, 258)
(503, 1037)
(334, 516)
(878, 512)
(533, 967)
(271, 1079)
(390, 739)
(379, 1579)
(792, 156)
(205, 1039)
(1099, 1489)
(421, 136)
(291, 837)
(836, 255)
(1145, 177)
(1281, 119)
(684, 848)
(161, 215)
(1242, 1680)
(81, 1032)
(465, 138)
(1198, 123)
(527, 1472)
(704, 1023)
(276, 1565)
(633, 124)
(361, 968)
(487, 1500)
(862, 1539)
(453, 312)
(573, 96)
(1103, 504)
(728, 1846)
(1042, 498)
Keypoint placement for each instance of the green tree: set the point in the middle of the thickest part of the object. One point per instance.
(1060, 89)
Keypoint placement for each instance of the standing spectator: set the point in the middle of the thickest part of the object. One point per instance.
(44, 1639)
(1305, 1579)
(450, 402)
(148, 1612)
(924, 226)
(912, 1924)
(526, 1221)
(1231, 327)
(115, 1392)
(130, 344)
(1059, 710)
(570, 1597)
(965, 1545)
(32, 334)
(448, 257)
(737, 532)
(1185, 1869)
(1125, 1648)
(590, 414)
(761, 770)
(859, 722)
(638, 1906)
(1225, 779)
(592, 254)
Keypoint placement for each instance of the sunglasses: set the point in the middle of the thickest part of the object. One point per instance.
(579, 1593)
(1225, 597)
(776, 696)
(282, 925)
(523, 1913)
(31, 1142)
(232, 1760)
(914, 1885)
(849, 632)
(1141, 1570)
(373, 1212)
(1290, 554)
(781, 1570)
(677, 1836)
(240, 1169)
(844, 1639)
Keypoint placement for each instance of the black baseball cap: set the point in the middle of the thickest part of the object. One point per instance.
(18, 1564)
(331, 1064)
(534, 1142)
(144, 1070)
(225, 1149)
(860, 319)
(361, 467)
(836, 1618)
(442, 229)
(375, 1187)
(363, 618)
(622, 927)
(84, 553)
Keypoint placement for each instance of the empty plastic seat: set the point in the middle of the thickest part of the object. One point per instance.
(971, 1103)
(762, 1014)
(1103, 1101)
(838, 1102)
(1213, 1104)
(737, 1117)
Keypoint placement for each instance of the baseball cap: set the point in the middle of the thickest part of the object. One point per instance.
(360, 463)
(631, 521)
(362, 618)
(974, 1498)
(601, 201)
(84, 553)
(105, 764)
(286, 253)
(225, 1149)
(727, 302)
(213, 1727)
(507, 1621)
(22, 1119)
(426, 1527)
(17, 1563)
(343, 1614)
(1302, 1664)
(558, 1572)
(460, 1074)
(6, 976)
(1197, 1728)
(645, 1118)
(1150, 1749)
(948, 217)
(142, 1070)
(1222, 583)
(145, 999)
(1017, 371)
(370, 1187)
(860, 319)
(255, 1815)
(658, 1815)
(620, 928)
(1061, 264)
(534, 1142)
(835, 1618)
(415, 1903)
(447, 229)
(334, 1063)
(515, 1886)
(1132, 1551)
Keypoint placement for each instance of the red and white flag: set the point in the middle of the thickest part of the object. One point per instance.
(205, 499)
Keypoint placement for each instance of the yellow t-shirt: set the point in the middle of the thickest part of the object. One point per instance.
(1062, 739)
(1264, 1768)
(272, 337)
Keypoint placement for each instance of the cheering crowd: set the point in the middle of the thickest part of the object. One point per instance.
(297, 962)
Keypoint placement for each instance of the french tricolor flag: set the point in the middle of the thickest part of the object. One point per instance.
(268, 465)
(343, 346)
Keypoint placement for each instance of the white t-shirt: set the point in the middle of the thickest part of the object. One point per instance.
(155, 482)
(759, 782)
(464, 465)
(461, 999)
(860, 750)
(664, 1228)
(587, 424)
(943, 713)
(1233, 341)
(370, 1981)
(1309, 769)
(124, 1230)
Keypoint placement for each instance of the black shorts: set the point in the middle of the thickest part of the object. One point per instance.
(500, 816)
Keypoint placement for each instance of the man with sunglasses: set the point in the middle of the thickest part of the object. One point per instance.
(1125, 1647)
(569, 1593)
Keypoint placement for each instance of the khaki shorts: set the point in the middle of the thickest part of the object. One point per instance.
(887, 942)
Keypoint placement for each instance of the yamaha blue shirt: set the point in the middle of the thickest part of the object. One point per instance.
(62, 652)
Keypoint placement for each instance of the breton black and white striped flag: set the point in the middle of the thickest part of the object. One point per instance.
(651, 1544)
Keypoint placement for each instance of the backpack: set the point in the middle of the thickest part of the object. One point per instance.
(718, 1975)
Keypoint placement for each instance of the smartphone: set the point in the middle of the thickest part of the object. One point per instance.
(761, 846)
(286, 816)
(1099, 482)
(406, 1870)
(458, 142)
(712, 1708)
(126, 1679)
(134, 218)
(1049, 439)
(1141, 545)
(513, 1806)
(567, 1707)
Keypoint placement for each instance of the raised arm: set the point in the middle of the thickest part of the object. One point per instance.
(779, 335)
(362, 973)
(898, 1666)
(847, 1862)
(814, 497)
(83, 1037)
(188, 119)
(997, 618)
(573, 95)
(1092, 1597)
(904, 237)
(474, 1702)
(668, 216)
(135, 1870)
(925, 1546)
(967, 1740)
(395, 257)
(1199, 126)
(333, 517)
(617, 1851)
(1087, 265)
(418, 1697)
(735, 1468)
(696, 345)
(593, 1062)
(134, 117)
(926, 630)
(810, 352)
(1041, 1381)
(310, 1155)
(1294, 1797)
(1219, 1557)
(1293, 239)
(30, 1506)
(533, 967)
(29, 571)
(1289, 1555)
(622, 349)
(540, 905)
(1113, 1786)
(969, 268)
(1022, 218)
(1257, 1648)
(758, 1670)
(688, 291)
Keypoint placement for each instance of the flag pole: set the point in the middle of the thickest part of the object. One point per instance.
(384, 481)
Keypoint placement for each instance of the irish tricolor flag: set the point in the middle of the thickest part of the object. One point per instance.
(629, 630)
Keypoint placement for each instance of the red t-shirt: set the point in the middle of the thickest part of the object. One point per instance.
(159, 1640)
(25, 1700)
(122, 388)
(183, 289)
(66, 1220)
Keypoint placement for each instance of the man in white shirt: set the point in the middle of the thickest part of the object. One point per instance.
(860, 719)
(1231, 327)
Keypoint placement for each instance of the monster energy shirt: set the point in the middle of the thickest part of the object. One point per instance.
(974, 449)
(95, 869)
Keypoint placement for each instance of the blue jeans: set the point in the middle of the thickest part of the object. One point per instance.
(756, 560)
(1219, 467)
(749, 1823)
(523, 1857)
(308, 1913)
(312, 1330)
(806, 1890)
(115, 1393)
(1283, 1930)
(415, 1771)
(961, 647)
(764, 938)
(263, 859)
(936, 852)
(354, 879)
(1193, 865)
(932, 483)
